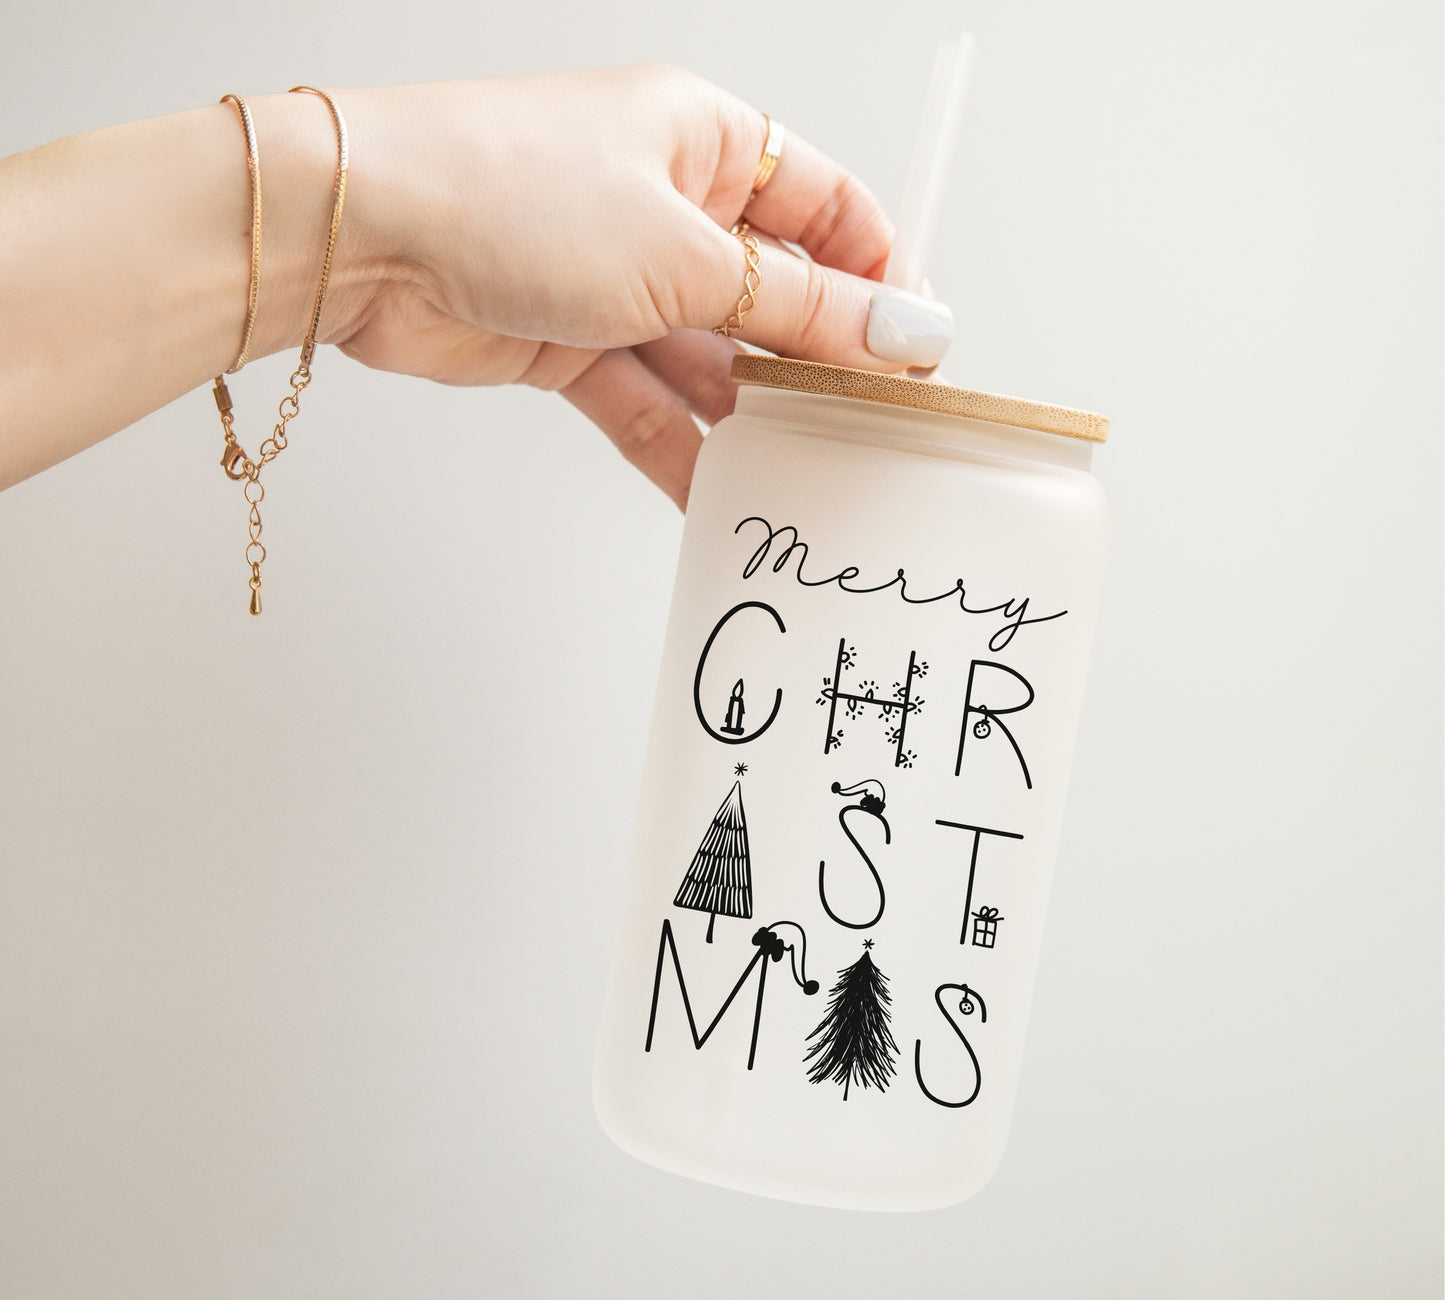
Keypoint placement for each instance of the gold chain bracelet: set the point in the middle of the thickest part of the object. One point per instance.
(253, 290)
(234, 460)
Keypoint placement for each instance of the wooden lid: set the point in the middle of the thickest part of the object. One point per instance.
(920, 394)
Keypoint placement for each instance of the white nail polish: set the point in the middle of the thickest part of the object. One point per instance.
(904, 327)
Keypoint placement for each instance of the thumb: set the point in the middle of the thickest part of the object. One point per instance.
(812, 312)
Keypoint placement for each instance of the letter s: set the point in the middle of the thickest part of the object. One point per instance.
(966, 1005)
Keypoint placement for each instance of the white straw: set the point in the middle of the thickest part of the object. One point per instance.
(932, 153)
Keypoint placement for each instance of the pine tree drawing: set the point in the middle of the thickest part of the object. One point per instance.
(853, 1042)
(720, 878)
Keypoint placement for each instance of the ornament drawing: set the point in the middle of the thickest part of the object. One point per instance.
(988, 716)
(970, 1002)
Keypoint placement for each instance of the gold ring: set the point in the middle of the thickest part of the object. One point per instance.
(752, 281)
(772, 149)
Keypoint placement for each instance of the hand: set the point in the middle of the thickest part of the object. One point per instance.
(570, 231)
(566, 231)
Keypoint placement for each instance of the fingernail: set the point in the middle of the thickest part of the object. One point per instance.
(904, 327)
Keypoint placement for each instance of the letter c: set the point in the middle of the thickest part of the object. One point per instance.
(702, 663)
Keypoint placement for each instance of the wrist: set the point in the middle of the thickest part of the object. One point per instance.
(297, 144)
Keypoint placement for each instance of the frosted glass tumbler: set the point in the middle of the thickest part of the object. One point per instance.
(853, 788)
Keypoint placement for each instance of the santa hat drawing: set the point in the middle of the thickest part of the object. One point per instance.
(774, 945)
(872, 796)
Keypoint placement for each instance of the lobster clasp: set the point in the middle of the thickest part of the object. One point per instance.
(233, 461)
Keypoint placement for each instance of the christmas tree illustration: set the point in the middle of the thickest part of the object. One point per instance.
(720, 878)
(853, 1044)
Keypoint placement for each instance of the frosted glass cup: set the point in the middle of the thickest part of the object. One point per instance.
(853, 788)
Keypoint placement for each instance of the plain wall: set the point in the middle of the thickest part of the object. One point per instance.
(303, 919)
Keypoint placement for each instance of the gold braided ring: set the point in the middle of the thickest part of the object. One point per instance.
(767, 164)
(752, 281)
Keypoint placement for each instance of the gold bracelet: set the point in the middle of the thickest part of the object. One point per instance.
(234, 460)
(338, 198)
(253, 168)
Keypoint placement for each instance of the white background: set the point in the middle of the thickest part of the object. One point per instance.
(303, 919)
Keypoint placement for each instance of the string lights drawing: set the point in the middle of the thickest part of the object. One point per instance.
(893, 711)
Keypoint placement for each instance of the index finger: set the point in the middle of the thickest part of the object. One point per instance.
(814, 202)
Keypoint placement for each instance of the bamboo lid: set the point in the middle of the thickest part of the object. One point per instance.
(920, 394)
